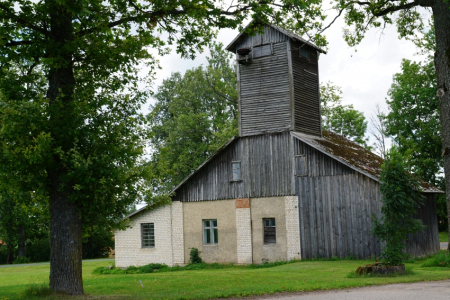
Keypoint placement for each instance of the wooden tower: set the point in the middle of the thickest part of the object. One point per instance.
(278, 82)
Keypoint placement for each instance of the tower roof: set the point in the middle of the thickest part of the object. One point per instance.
(232, 46)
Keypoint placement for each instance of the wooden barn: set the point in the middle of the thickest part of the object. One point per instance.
(284, 188)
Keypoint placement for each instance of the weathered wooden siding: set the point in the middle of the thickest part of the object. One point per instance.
(336, 205)
(264, 93)
(270, 35)
(335, 215)
(266, 168)
(427, 241)
(306, 90)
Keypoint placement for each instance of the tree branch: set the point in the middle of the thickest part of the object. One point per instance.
(11, 15)
(424, 3)
(17, 43)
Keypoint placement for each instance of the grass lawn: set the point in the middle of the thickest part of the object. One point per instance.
(443, 236)
(204, 284)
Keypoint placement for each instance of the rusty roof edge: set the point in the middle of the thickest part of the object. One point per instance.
(434, 190)
(293, 133)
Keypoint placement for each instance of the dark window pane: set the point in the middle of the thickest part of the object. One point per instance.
(304, 52)
(216, 238)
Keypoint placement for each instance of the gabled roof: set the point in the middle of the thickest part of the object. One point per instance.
(286, 32)
(331, 144)
(352, 155)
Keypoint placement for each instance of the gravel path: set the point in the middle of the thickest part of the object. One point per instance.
(431, 290)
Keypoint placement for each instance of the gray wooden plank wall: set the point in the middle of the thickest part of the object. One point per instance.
(306, 90)
(335, 208)
(264, 93)
(266, 168)
(427, 241)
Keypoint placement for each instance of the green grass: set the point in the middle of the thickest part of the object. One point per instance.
(443, 236)
(25, 282)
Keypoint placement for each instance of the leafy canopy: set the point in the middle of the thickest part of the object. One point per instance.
(194, 114)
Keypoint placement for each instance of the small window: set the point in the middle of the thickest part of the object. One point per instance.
(261, 51)
(148, 235)
(236, 170)
(210, 235)
(304, 52)
(300, 165)
(270, 236)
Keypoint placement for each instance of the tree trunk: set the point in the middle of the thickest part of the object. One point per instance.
(441, 13)
(21, 244)
(65, 223)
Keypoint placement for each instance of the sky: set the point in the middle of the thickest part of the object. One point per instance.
(364, 73)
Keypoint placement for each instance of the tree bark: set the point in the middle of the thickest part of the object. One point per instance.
(21, 244)
(441, 13)
(65, 223)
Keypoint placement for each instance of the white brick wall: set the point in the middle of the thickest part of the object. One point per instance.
(244, 236)
(292, 227)
(177, 233)
(128, 243)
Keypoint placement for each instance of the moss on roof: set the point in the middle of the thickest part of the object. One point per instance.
(351, 152)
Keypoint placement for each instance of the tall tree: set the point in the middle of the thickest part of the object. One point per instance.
(85, 154)
(401, 199)
(362, 15)
(339, 118)
(194, 114)
(413, 118)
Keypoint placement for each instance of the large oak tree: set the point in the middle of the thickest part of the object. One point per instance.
(80, 144)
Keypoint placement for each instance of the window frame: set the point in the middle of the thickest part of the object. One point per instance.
(262, 45)
(213, 232)
(143, 237)
(232, 170)
(273, 228)
(304, 48)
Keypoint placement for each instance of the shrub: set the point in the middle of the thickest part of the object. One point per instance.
(195, 256)
(39, 250)
(21, 260)
(401, 198)
(441, 259)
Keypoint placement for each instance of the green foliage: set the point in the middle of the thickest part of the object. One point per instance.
(194, 256)
(39, 250)
(401, 199)
(193, 116)
(413, 119)
(442, 259)
(339, 118)
(38, 291)
(98, 243)
(21, 260)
